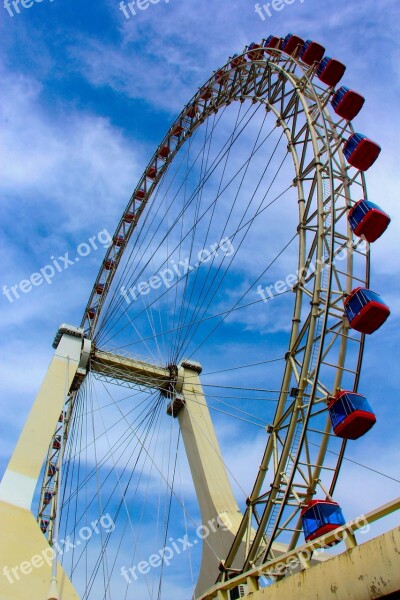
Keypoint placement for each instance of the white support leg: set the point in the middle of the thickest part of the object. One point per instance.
(219, 510)
(25, 556)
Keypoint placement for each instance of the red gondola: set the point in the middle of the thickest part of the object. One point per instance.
(311, 52)
(140, 194)
(220, 76)
(191, 111)
(330, 71)
(177, 130)
(365, 310)
(99, 288)
(255, 52)
(108, 265)
(151, 172)
(351, 415)
(206, 93)
(119, 241)
(368, 220)
(272, 43)
(237, 61)
(52, 470)
(57, 442)
(164, 152)
(320, 517)
(47, 498)
(61, 418)
(291, 44)
(347, 103)
(361, 152)
(129, 217)
(44, 525)
(92, 312)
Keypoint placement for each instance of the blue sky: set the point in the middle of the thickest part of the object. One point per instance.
(87, 95)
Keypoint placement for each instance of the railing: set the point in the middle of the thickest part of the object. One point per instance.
(299, 558)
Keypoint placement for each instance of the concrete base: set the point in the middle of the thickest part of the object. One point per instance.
(25, 559)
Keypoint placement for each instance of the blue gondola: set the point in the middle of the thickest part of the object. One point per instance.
(292, 43)
(368, 220)
(365, 310)
(311, 52)
(351, 415)
(330, 71)
(347, 103)
(361, 152)
(320, 517)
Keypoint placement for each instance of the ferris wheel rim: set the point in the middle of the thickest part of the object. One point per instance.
(293, 64)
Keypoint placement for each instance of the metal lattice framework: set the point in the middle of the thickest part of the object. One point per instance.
(323, 354)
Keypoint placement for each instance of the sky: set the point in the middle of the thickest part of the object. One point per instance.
(87, 95)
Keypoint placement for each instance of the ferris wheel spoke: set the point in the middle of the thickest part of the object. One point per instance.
(116, 514)
(232, 236)
(182, 318)
(235, 305)
(205, 294)
(222, 153)
(179, 320)
(214, 166)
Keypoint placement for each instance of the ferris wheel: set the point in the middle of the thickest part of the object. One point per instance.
(236, 284)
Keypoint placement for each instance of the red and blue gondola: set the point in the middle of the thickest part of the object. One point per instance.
(291, 44)
(361, 152)
(368, 220)
(320, 517)
(351, 415)
(330, 71)
(47, 498)
(347, 103)
(272, 43)
(92, 312)
(365, 310)
(255, 52)
(44, 525)
(311, 52)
